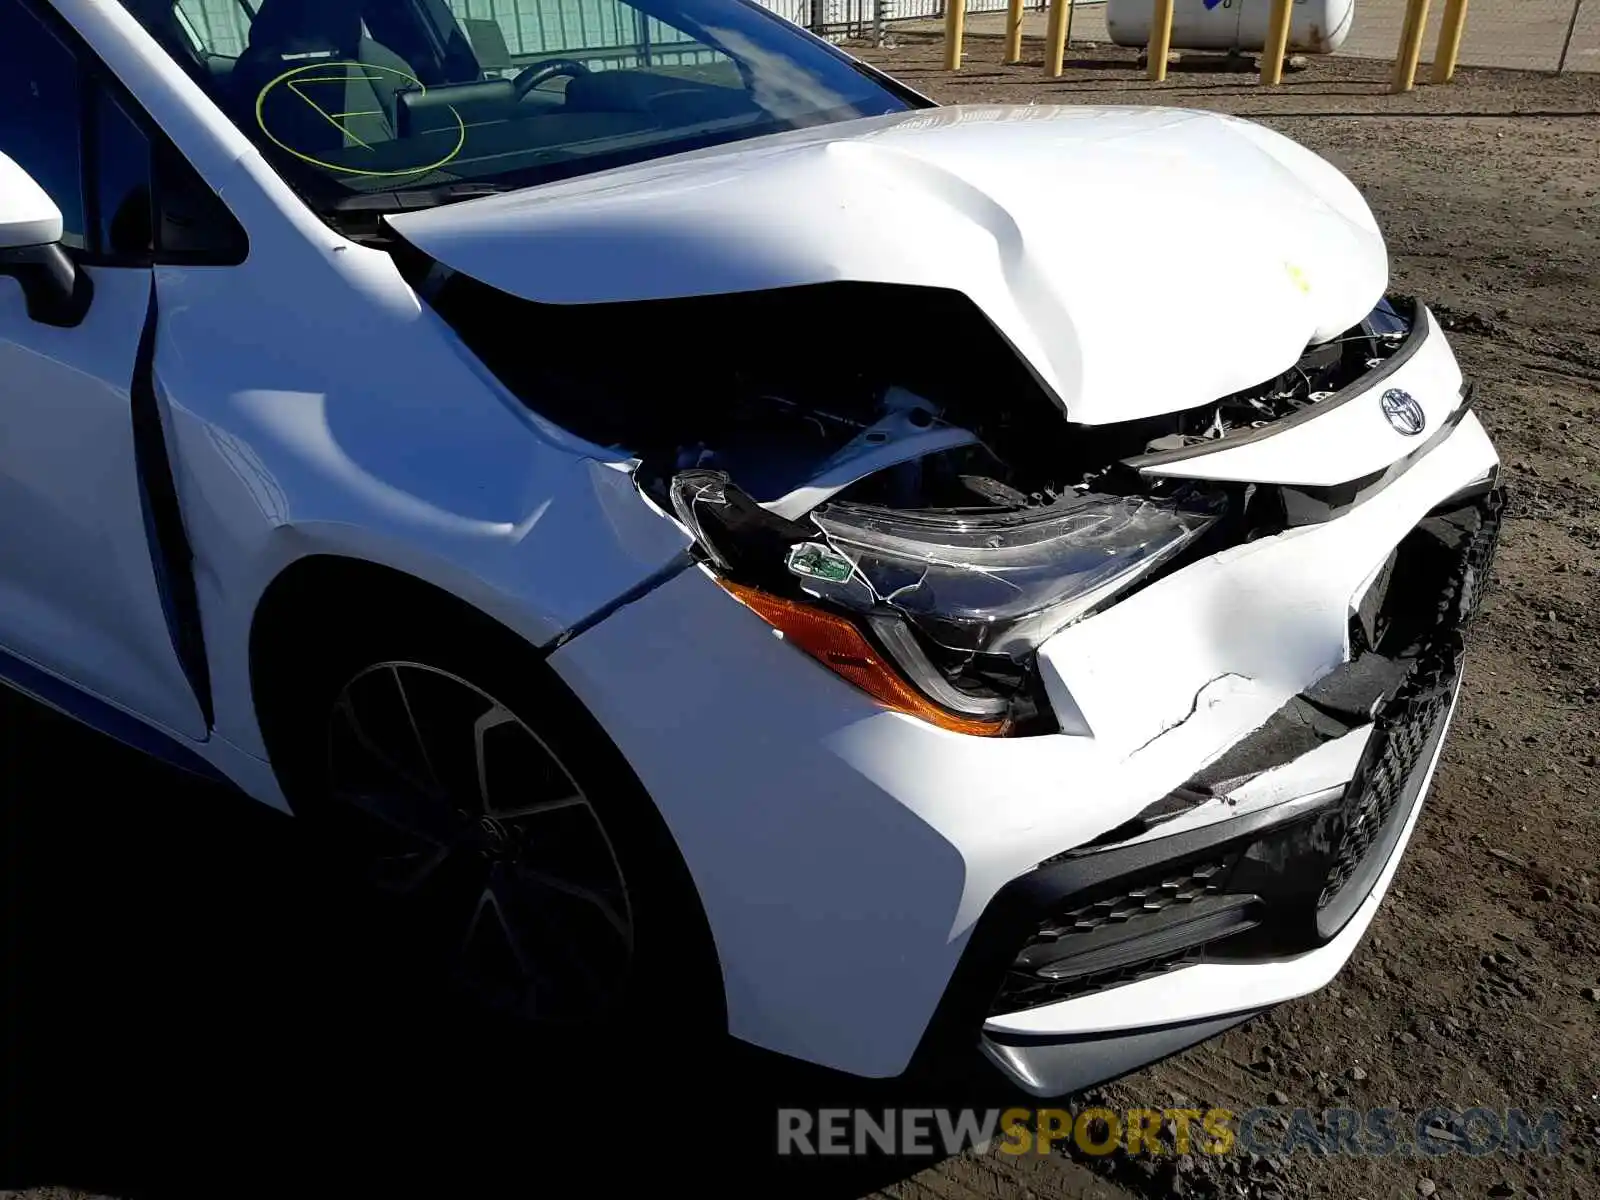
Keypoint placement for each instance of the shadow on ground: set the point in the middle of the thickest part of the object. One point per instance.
(191, 1006)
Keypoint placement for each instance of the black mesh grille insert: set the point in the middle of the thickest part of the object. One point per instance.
(1145, 926)
(1477, 560)
(1403, 733)
(1405, 728)
(1181, 887)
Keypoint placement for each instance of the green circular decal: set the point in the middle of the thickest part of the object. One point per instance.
(310, 85)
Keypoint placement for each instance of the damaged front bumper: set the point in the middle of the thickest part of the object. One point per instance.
(859, 867)
(1230, 895)
(1244, 934)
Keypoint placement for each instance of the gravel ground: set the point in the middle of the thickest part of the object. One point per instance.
(189, 1008)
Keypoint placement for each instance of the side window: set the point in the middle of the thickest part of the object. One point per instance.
(149, 203)
(121, 199)
(193, 225)
(124, 196)
(40, 113)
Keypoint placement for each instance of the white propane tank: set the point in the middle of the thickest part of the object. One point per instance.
(1316, 27)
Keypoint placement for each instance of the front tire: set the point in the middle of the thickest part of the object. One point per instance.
(514, 850)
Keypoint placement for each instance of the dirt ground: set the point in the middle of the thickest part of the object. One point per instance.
(183, 1013)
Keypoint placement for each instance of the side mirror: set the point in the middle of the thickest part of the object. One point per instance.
(56, 291)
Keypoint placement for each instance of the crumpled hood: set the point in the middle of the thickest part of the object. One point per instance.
(1141, 260)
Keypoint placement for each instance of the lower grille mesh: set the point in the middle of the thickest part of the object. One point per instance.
(1138, 908)
(1406, 727)
(1183, 886)
(1477, 561)
(1403, 733)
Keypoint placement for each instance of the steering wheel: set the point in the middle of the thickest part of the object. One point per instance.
(534, 74)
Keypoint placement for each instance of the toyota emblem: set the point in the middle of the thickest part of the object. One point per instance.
(1403, 411)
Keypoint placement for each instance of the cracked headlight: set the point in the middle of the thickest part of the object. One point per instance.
(999, 583)
(935, 612)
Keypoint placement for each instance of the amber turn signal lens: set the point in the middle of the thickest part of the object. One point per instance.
(837, 644)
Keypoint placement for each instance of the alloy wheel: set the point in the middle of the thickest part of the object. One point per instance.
(451, 802)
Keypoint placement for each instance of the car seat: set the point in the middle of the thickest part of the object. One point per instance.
(313, 80)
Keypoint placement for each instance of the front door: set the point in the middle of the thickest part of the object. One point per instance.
(83, 595)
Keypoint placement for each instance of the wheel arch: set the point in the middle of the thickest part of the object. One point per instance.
(326, 590)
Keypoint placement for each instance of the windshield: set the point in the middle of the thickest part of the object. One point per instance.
(432, 97)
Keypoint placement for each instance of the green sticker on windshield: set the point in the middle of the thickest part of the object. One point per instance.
(816, 560)
(319, 92)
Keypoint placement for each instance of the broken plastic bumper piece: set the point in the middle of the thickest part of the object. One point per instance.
(1253, 883)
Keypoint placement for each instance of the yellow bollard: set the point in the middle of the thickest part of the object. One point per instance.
(955, 21)
(1405, 63)
(1444, 58)
(1014, 31)
(1160, 41)
(1055, 48)
(1277, 43)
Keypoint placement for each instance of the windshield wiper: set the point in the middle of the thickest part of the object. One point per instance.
(414, 198)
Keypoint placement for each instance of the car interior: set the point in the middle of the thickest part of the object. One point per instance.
(388, 92)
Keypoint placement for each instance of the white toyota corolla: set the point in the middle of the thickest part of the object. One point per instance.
(722, 539)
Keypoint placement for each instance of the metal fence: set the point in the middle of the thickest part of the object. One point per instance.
(1548, 35)
(870, 18)
(856, 16)
(603, 33)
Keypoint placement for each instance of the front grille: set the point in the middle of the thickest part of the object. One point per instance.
(1466, 537)
(1183, 886)
(1142, 927)
(1404, 731)
(1481, 537)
